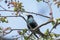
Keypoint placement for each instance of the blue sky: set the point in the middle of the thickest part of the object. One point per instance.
(32, 6)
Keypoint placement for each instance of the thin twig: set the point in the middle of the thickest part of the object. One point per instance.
(7, 33)
(23, 18)
(9, 16)
(30, 35)
(27, 12)
(8, 10)
(11, 31)
(51, 13)
(2, 7)
(19, 29)
(54, 26)
(37, 14)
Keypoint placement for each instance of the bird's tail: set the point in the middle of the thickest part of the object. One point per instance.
(40, 33)
(36, 35)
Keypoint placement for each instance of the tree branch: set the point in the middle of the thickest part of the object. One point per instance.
(27, 12)
(42, 25)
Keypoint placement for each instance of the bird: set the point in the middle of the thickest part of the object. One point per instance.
(32, 24)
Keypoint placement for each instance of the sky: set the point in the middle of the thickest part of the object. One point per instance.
(31, 6)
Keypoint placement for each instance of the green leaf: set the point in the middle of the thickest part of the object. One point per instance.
(58, 4)
(15, 9)
(0, 28)
(24, 30)
(56, 35)
(47, 32)
(23, 9)
(25, 37)
(53, 22)
(51, 34)
(50, 39)
(21, 33)
(38, 0)
(6, 21)
(3, 19)
(58, 19)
